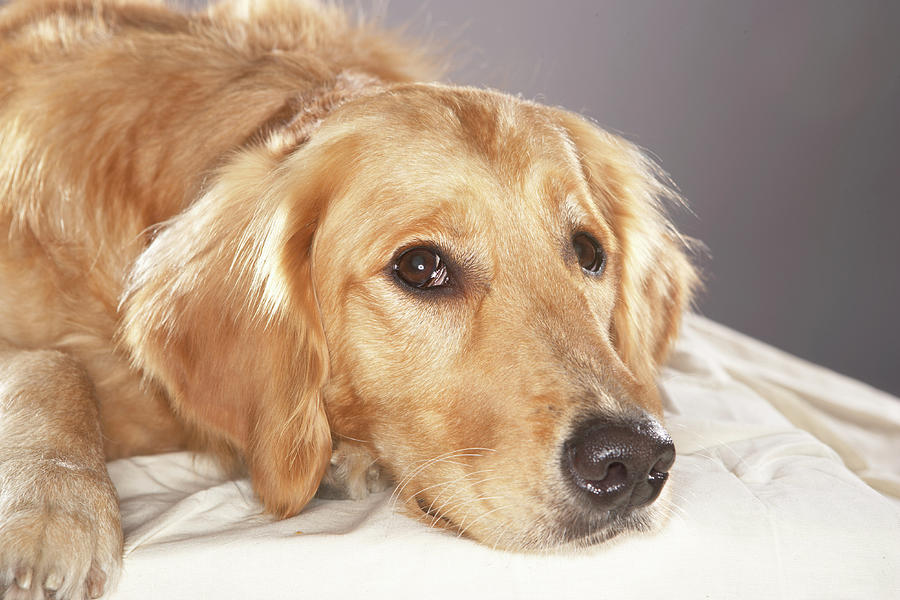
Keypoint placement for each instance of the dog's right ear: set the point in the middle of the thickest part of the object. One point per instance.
(656, 277)
(220, 315)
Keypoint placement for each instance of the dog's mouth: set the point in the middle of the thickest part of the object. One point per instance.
(583, 532)
(565, 532)
(581, 539)
(603, 481)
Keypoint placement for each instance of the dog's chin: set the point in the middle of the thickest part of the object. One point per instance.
(566, 535)
(640, 521)
(579, 529)
(583, 533)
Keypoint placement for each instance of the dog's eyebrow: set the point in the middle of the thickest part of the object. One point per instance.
(573, 213)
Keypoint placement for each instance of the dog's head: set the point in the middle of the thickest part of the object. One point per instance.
(477, 288)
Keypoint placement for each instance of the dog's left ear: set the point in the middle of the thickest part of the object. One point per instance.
(221, 312)
(656, 279)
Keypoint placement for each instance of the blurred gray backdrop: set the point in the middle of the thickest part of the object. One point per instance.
(778, 120)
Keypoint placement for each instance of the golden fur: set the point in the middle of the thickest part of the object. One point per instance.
(198, 214)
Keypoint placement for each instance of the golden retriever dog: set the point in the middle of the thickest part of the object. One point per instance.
(263, 231)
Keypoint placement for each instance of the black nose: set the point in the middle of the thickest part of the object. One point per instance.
(619, 465)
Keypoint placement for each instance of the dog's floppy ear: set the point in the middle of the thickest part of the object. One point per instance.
(219, 315)
(656, 278)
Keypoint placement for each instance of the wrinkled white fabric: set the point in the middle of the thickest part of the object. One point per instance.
(787, 485)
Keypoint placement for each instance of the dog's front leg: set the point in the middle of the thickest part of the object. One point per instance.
(60, 535)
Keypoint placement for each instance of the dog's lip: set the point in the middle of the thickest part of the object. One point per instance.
(586, 531)
(593, 538)
(589, 536)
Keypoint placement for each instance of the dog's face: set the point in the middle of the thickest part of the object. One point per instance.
(468, 282)
(479, 290)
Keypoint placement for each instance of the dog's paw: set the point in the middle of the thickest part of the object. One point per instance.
(60, 535)
(353, 473)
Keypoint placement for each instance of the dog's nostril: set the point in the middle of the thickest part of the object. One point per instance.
(620, 465)
(614, 480)
(589, 461)
(616, 474)
(666, 457)
(592, 466)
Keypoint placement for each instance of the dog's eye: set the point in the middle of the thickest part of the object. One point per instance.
(590, 254)
(421, 268)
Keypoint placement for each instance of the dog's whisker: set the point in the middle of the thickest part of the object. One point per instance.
(503, 532)
(449, 455)
(424, 465)
(707, 451)
(412, 475)
(404, 481)
(666, 514)
(444, 511)
(446, 506)
(470, 509)
(471, 485)
(447, 484)
(674, 507)
(483, 515)
(441, 511)
(451, 452)
(398, 490)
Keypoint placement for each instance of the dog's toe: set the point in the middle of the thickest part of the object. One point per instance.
(353, 474)
(376, 479)
(34, 565)
(61, 541)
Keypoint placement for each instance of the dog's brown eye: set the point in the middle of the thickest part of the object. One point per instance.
(421, 268)
(591, 256)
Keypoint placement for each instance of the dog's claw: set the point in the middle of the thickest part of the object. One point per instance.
(23, 578)
(53, 582)
(96, 582)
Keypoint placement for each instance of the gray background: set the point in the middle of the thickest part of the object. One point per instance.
(779, 121)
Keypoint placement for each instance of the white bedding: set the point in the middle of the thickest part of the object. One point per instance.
(787, 485)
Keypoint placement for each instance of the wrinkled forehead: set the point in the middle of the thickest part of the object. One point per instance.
(445, 144)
